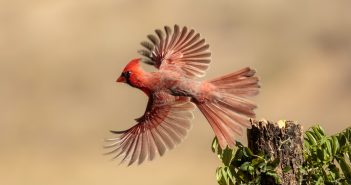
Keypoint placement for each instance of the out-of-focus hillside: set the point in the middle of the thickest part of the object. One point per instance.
(59, 61)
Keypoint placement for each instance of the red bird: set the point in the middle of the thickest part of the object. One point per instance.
(181, 57)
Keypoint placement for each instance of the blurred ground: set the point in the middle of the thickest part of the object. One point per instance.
(59, 60)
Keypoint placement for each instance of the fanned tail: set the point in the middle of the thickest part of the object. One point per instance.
(228, 110)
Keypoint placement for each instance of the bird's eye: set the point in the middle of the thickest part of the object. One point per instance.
(126, 74)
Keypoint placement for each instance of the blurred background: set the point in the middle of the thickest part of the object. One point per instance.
(59, 61)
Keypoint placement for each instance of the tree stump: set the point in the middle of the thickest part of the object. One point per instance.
(281, 140)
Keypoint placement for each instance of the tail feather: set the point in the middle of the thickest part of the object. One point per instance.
(227, 117)
(228, 112)
(232, 77)
(223, 133)
(238, 106)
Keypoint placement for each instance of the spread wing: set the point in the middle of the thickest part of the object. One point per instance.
(182, 50)
(165, 123)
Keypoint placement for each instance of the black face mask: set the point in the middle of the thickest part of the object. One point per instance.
(126, 75)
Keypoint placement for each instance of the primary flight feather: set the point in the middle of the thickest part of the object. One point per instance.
(181, 56)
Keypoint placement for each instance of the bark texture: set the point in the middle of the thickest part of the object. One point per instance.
(281, 140)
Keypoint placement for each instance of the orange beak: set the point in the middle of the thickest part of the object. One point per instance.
(121, 79)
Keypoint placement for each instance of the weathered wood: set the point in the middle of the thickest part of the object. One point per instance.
(281, 140)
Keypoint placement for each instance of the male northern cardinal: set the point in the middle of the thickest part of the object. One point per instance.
(181, 57)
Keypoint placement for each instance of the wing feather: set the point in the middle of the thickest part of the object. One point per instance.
(180, 50)
(164, 124)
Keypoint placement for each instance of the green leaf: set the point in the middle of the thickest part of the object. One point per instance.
(316, 134)
(225, 175)
(241, 176)
(342, 140)
(215, 145)
(248, 152)
(251, 170)
(346, 169)
(274, 175)
(227, 156)
(319, 129)
(274, 163)
(257, 162)
(320, 154)
(329, 148)
(231, 172)
(312, 140)
(219, 176)
(262, 166)
(320, 181)
(245, 166)
(286, 169)
(335, 145)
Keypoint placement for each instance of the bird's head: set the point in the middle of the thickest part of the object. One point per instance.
(130, 72)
